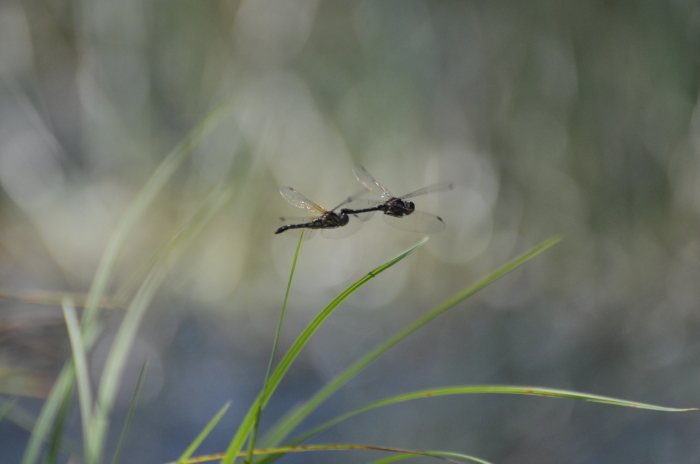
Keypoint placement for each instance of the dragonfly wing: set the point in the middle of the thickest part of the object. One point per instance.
(351, 198)
(341, 232)
(435, 188)
(366, 179)
(300, 201)
(309, 233)
(417, 221)
(297, 220)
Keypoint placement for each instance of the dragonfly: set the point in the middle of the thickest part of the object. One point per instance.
(398, 211)
(332, 224)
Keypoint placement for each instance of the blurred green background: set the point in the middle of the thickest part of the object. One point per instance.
(578, 118)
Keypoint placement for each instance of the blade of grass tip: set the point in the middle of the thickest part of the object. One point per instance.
(82, 373)
(289, 422)
(138, 207)
(130, 414)
(286, 361)
(116, 361)
(256, 423)
(203, 434)
(6, 407)
(213, 202)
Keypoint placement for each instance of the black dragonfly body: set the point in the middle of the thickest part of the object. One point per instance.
(398, 211)
(332, 224)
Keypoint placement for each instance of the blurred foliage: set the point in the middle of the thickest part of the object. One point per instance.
(579, 118)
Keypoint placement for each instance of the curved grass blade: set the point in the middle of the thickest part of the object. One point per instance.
(203, 434)
(56, 443)
(288, 423)
(130, 414)
(116, 362)
(116, 359)
(218, 196)
(441, 455)
(64, 383)
(393, 458)
(6, 407)
(138, 207)
(286, 361)
(481, 389)
(254, 435)
(82, 374)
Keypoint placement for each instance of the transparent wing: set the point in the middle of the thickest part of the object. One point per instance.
(297, 220)
(435, 188)
(300, 201)
(366, 179)
(417, 221)
(341, 232)
(309, 233)
(351, 198)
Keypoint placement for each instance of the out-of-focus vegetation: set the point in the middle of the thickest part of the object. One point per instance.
(577, 118)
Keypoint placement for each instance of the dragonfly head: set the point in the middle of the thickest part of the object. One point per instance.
(410, 207)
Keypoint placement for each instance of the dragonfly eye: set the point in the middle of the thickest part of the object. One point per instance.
(410, 207)
(343, 218)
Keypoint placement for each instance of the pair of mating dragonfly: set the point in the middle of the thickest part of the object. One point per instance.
(397, 211)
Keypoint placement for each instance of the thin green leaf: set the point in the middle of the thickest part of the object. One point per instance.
(247, 423)
(213, 202)
(130, 414)
(441, 455)
(138, 206)
(390, 459)
(60, 395)
(57, 437)
(480, 389)
(64, 383)
(256, 423)
(6, 407)
(82, 374)
(116, 359)
(116, 362)
(289, 422)
(203, 434)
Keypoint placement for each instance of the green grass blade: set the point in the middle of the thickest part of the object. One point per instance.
(138, 207)
(82, 374)
(130, 414)
(116, 361)
(213, 202)
(57, 437)
(441, 455)
(390, 459)
(203, 434)
(256, 423)
(481, 389)
(248, 421)
(288, 423)
(60, 394)
(6, 407)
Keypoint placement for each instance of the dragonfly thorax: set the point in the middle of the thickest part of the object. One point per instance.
(398, 208)
(331, 219)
